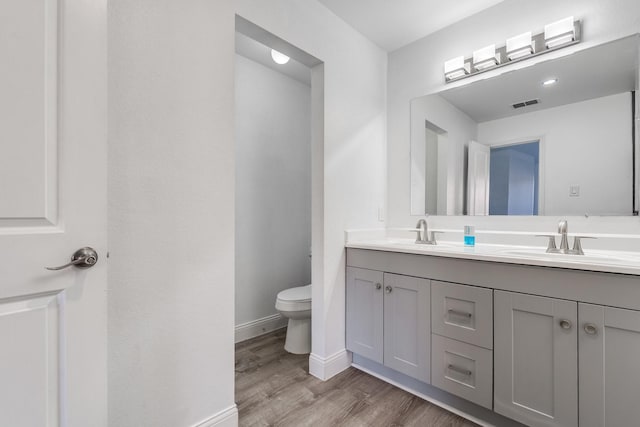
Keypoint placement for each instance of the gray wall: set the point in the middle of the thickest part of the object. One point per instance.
(273, 187)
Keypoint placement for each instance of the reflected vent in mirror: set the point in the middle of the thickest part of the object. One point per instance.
(526, 103)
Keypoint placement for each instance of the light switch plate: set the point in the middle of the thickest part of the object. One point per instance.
(574, 191)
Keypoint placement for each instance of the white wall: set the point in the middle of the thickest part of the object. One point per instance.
(273, 187)
(460, 129)
(586, 143)
(416, 70)
(354, 153)
(171, 212)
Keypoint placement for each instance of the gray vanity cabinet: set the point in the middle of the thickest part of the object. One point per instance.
(388, 320)
(535, 359)
(609, 349)
(563, 348)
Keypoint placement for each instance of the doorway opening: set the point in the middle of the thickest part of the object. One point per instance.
(279, 107)
(515, 179)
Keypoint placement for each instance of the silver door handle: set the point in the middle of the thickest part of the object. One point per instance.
(82, 258)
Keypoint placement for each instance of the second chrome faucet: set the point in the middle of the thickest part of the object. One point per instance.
(563, 229)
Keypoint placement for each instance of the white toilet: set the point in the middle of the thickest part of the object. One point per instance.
(295, 304)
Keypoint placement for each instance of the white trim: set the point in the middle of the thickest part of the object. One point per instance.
(424, 396)
(327, 367)
(254, 328)
(226, 418)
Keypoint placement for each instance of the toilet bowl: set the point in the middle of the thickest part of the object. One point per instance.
(295, 304)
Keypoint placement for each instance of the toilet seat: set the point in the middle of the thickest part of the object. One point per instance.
(294, 299)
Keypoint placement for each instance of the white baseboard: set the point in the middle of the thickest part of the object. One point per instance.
(327, 367)
(259, 327)
(225, 418)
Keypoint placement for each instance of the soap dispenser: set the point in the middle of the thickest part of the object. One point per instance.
(469, 235)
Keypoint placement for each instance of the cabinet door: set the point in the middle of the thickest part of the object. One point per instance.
(535, 359)
(609, 344)
(407, 326)
(364, 313)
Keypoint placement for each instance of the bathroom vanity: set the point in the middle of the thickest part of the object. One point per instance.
(499, 334)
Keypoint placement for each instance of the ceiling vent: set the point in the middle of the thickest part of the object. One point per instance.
(526, 103)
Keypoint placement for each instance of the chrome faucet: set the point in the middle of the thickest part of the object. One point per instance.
(563, 228)
(425, 237)
(423, 230)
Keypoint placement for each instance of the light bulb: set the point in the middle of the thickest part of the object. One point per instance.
(279, 58)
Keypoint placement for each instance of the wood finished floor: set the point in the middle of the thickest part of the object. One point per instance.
(273, 388)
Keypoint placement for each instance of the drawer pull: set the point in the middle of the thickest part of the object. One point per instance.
(460, 313)
(459, 370)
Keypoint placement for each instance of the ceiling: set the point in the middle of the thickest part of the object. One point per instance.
(393, 24)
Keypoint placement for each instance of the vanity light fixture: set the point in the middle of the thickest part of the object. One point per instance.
(455, 68)
(485, 58)
(549, 82)
(279, 58)
(559, 33)
(519, 46)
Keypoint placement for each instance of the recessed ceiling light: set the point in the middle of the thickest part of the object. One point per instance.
(549, 82)
(279, 58)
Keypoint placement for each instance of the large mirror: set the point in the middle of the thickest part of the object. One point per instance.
(554, 138)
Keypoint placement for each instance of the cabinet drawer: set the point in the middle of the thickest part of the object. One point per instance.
(462, 369)
(464, 313)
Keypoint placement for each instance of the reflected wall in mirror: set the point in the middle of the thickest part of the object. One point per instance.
(565, 148)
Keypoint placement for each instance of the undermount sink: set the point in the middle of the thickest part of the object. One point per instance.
(586, 258)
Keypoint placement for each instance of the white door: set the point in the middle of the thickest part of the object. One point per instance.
(478, 179)
(609, 345)
(52, 202)
(535, 359)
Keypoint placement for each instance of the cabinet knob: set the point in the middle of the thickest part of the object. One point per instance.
(378, 286)
(565, 324)
(591, 329)
(388, 289)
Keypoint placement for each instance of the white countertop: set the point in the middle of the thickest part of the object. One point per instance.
(593, 260)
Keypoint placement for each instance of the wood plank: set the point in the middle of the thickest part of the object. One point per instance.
(273, 388)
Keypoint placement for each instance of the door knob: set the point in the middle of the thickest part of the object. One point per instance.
(82, 258)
